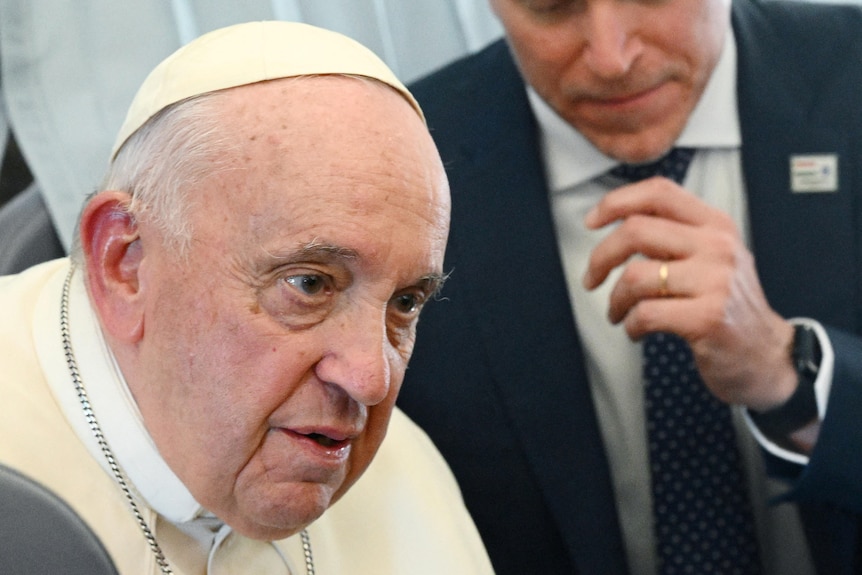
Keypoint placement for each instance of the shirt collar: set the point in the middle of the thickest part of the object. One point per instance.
(571, 159)
(110, 398)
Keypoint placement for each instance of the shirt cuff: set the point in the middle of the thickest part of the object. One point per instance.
(822, 387)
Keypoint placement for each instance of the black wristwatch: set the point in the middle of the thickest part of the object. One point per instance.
(801, 408)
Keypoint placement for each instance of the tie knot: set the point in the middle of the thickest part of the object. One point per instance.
(672, 165)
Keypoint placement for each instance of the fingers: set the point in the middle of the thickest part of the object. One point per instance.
(680, 315)
(649, 236)
(661, 221)
(640, 280)
(658, 197)
(676, 252)
(679, 288)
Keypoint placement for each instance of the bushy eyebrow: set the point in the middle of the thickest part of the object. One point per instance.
(316, 250)
(432, 284)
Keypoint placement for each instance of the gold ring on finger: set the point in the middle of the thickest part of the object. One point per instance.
(663, 271)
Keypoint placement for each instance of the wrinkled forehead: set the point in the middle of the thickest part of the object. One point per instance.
(346, 141)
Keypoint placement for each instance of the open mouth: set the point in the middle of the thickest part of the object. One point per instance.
(323, 440)
(329, 440)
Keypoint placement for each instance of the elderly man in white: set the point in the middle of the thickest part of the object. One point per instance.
(207, 380)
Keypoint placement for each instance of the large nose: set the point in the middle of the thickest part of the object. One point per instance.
(357, 354)
(610, 47)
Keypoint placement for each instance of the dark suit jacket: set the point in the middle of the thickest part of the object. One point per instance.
(498, 378)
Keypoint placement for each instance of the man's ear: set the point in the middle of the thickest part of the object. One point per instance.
(113, 253)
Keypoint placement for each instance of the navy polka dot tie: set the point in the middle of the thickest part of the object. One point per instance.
(674, 165)
(701, 512)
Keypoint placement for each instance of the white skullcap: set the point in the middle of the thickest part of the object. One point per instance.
(247, 53)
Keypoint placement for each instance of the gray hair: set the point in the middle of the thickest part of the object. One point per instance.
(174, 150)
(159, 164)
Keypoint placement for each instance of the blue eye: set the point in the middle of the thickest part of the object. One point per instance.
(307, 284)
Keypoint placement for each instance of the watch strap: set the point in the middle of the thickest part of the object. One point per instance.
(801, 408)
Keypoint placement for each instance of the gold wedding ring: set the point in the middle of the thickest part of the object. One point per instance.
(662, 280)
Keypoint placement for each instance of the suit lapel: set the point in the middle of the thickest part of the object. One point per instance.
(804, 243)
(526, 323)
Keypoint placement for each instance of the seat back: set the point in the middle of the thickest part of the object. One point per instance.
(40, 533)
(27, 234)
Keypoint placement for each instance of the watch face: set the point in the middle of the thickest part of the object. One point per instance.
(806, 351)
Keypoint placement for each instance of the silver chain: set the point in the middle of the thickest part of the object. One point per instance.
(306, 551)
(119, 476)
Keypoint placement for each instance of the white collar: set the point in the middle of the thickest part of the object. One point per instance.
(110, 399)
(571, 159)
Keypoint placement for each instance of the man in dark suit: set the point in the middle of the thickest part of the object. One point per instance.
(527, 374)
